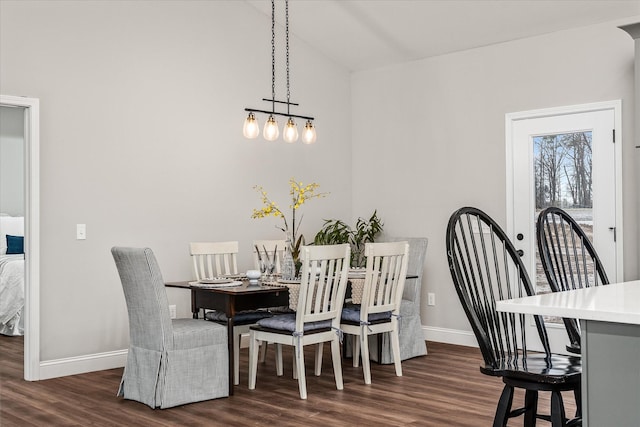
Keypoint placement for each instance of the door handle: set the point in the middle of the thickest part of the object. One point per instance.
(614, 232)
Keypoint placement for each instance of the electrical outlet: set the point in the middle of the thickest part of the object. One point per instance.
(431, 298)
(172, 311)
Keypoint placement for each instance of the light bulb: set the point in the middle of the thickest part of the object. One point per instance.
(271, 131)
(251, 128)
(309, 133)
(290, 133)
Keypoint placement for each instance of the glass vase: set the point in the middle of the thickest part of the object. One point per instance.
(288, 264)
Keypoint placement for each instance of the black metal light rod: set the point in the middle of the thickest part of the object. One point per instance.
(279, 102)
(253, 110)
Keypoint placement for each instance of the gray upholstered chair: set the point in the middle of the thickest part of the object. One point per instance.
(170, 362)
(412, 341)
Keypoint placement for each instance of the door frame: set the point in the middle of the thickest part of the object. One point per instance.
(616, 106)
(32, 232)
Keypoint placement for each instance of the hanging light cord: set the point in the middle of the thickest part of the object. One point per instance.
(273, 56)
(286, 8)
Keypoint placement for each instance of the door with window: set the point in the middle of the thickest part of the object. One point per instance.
(567, 158)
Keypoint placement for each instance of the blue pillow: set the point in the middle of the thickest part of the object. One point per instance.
(15, 244)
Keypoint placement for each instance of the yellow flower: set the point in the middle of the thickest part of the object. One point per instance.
(299, 193)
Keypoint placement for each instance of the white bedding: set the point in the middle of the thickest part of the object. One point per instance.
(11, 294)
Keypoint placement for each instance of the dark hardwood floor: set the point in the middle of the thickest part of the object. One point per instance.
(444, 388)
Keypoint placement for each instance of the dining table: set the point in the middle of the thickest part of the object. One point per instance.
(610, 346)
(257, 294)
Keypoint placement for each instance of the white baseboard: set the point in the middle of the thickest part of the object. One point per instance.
(117, 359)
(449, 336)
(82, 364)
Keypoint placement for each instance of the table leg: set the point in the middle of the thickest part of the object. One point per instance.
(194, 309)
(230, 338)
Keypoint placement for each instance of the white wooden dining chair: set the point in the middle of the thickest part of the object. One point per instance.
(317, 317)
(213, 259)
(270, 246)
(379, 311)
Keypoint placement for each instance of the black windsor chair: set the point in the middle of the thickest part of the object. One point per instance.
(569, 260)
(485, 267)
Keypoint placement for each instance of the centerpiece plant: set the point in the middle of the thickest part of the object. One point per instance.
(335, 231)
(300, 193)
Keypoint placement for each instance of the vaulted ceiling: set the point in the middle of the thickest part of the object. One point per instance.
(365, 34)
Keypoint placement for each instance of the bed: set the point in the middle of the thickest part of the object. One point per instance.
(11, 294)
(11, 278)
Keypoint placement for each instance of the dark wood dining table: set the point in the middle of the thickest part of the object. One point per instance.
(231, 300)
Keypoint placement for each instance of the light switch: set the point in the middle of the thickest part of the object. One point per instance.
(81, 231)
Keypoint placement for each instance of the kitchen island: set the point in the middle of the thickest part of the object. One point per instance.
(610, 334)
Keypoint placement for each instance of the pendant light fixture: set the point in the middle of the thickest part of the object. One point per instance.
(251, 128)
(309, 133)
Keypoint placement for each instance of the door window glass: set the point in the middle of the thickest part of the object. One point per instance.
(563, 176)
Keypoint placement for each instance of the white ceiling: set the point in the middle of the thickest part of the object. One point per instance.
(364, 34)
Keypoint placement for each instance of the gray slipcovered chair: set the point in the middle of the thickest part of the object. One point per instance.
(412, 342)
(170, 362)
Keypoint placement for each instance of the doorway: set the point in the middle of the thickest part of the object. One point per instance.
(31, 110)
(566, 157)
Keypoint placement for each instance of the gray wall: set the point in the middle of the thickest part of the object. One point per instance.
(141, 114)
(141, 139)
(429, 136)
(12, 161)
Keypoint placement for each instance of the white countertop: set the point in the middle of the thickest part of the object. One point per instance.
(618, 303)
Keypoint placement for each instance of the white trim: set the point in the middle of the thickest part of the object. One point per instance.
(449, 336)
(569, 109)
(617, 117)
(616, 106)
(32, 228)
(83, 364)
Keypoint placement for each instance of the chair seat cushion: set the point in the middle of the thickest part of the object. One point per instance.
(287, 323)
(351, 314)
(241, 318)
(537, 368)
(194, 333)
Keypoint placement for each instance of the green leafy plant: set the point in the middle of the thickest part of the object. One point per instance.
(335, 231)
